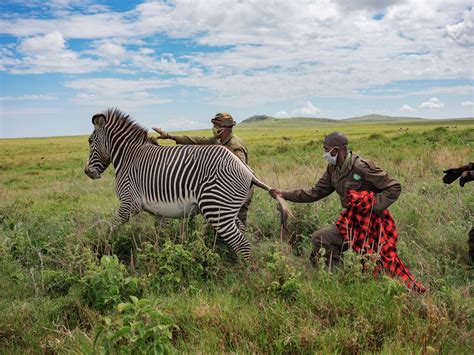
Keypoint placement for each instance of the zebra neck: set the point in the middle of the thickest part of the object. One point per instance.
(122, 155)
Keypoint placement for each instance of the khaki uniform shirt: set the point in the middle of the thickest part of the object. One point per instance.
(355, 174)
(232, 142)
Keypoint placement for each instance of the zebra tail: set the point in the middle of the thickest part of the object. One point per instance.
(283, 208)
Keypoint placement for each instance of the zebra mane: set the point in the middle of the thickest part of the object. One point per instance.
(114, 118)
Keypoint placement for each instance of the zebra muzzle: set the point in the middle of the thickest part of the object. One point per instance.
(93, 174)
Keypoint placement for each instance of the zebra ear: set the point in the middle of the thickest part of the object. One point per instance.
(98, 120)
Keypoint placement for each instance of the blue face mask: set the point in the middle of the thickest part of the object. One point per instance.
(329, 158)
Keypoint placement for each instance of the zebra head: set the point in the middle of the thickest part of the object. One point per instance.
(99, 157)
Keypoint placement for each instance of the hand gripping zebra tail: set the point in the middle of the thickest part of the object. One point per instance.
(282, 206)
(172, 181)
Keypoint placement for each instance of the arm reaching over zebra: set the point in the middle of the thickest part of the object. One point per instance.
(185, 140)
(173, 181)
(162, 133)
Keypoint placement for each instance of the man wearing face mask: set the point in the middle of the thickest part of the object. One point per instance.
(345, 171)
(221, 134)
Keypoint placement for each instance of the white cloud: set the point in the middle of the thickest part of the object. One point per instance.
(117, 92)
(273, 51)
(108, 85)
(457, 90)
(166, 64)
(124, 101)
(183, 124)
(281, 114)
(110, 49)
(52, 42)
(463, 32)
(404, 12)
(467, 104)
(366, 4)
(146, 51)
(48, 53)
(29, 111)
(50, 8)
(28, 97)
(307, 109)
(432, 104)
(407, 108)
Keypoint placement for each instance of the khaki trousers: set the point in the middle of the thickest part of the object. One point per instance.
(332, 241)
(244, 210)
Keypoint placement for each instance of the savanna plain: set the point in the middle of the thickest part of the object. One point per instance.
(70, 285)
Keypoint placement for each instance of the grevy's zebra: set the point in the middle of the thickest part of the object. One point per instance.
(172, 181)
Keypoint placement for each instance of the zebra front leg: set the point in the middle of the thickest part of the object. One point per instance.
(127, 209)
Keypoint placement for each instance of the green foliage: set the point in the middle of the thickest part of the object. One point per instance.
(284, 280)
(106, 284)
(58, 281)
(53, 229)
(375, 136)
(137, 327)
(175, 265)
(356, 267)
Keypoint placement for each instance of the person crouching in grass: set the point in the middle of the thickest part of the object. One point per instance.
(365, 224)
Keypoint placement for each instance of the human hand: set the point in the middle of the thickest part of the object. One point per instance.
(451, 175)
(466, 177)
(162, 133)
(275, 192)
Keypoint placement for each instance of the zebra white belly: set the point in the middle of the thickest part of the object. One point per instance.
(182, 208)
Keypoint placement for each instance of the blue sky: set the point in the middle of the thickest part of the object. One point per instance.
(175, 64)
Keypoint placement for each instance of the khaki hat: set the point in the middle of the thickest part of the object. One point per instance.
(224, 119)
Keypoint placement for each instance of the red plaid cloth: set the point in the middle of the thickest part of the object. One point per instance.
(368, 233)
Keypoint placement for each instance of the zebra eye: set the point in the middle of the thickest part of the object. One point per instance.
(90, 140)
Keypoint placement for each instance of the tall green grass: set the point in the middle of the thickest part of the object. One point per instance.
(59, 290)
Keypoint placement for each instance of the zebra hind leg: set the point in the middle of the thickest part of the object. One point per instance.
(229, 231)
(242, 228)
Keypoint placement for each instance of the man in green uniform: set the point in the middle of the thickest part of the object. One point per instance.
(222, 134)
(465, 174)
(345, 171)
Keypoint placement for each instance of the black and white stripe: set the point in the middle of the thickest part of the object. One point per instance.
(172, 181)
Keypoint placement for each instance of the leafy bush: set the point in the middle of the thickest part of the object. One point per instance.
(58, 282)
(284, 278)
(107, 284)
(375, 136)
(136, 328)
(177, 265)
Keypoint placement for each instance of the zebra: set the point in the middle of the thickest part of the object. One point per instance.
(172, 181)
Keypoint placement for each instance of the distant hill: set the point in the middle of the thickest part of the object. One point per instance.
(255, 118)
(381, 118)
(264, 120)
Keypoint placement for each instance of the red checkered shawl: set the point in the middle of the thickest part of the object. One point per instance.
(368, 233)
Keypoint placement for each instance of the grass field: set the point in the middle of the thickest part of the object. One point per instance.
(60, 294)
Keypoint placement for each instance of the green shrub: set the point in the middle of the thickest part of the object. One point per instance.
(284, 280)
(58, 282)
(106, 284)
(136, 328)
(176, 265)
(375, 136)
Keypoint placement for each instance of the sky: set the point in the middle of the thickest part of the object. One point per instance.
(175, 64)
